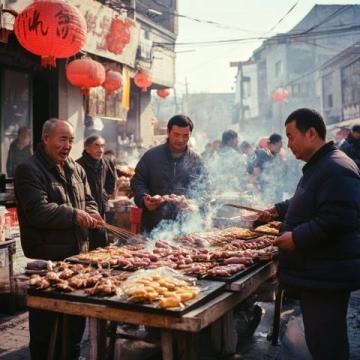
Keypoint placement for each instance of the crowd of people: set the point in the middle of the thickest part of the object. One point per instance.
(62, 205)
(264, 169)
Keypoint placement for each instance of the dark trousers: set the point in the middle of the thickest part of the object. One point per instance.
(42, 327)
(324, 316)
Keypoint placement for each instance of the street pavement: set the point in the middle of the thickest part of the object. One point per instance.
(14, 337)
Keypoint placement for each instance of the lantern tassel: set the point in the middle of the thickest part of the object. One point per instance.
(48, 61)
(85, 91)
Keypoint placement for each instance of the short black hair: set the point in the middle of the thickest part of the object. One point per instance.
(275, 138)
(91, 139)
(244, 146)
(308, 118)
(356, 128)
(227, 136)
(180, 120)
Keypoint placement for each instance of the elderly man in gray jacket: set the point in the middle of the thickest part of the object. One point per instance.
(55, 209)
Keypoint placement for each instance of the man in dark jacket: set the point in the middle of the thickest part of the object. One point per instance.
(170, 168)
(55, 209)
(351, 146)
(101, 176)
(320, 239)
(19, 150)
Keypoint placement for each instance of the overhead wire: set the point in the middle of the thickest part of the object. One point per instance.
(283, 18)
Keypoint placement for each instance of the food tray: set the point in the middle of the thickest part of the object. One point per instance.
(208, 290)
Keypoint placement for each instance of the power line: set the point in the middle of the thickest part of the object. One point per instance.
(321, 33)
(200, 21)
(280, 21)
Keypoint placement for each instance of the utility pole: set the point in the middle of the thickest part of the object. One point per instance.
(185, 100)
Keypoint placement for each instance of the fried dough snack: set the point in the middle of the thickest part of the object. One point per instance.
(167, 291)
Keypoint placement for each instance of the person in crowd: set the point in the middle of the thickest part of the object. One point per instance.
(351, 146)
(101, 176)
(319, 244)
(170, 168)
(245, 149)
(216, 146)
(229, 141)
(208, 152)
(19, 150)
(267, 169)
(264, 155)
(55, 209)
(227, 168)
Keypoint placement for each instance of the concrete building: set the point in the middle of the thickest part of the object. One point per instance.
(340, 84)
(30, 94)
(292, 61)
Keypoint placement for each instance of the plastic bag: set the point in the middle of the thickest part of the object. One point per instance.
(162, 287)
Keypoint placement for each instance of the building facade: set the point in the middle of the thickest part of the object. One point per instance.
(293, 61)
(340, 85)
(30, 94)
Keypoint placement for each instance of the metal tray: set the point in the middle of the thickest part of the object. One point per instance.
(208, 290)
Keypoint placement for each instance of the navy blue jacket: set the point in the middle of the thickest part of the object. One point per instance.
(324, 217)
(351, 147)
(158, 173)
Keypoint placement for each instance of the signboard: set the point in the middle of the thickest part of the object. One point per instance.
(110, 34)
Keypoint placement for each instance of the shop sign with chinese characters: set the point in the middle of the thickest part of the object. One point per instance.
(109, 34)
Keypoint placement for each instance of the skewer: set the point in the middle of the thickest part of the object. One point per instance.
(122, 233)
(244, 208)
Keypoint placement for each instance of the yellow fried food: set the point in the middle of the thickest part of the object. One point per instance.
(170, 301)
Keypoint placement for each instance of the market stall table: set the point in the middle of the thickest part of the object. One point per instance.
(173, 328)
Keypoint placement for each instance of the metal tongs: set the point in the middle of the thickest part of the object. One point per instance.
(245, 208)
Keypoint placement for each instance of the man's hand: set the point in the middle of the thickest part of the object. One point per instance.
(285, 241)
(84, 219)
(99, 220)
(267, 215)
(152, 202)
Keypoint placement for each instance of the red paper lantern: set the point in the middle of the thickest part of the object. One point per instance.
(119, 35)
(85, 73)
(142, 80)
(163, 93)
(51, 29)
(113, 81)
(280, 94)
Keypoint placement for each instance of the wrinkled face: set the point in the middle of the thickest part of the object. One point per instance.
(275, 148)
(178, 138)
(58, 142)
(298, 143)
(96, 149)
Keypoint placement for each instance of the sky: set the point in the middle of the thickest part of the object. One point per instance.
(202, 68)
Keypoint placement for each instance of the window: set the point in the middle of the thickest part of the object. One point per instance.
(330, 101)
(15, 108)
(350, 79)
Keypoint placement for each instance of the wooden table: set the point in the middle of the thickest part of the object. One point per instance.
(179, 329)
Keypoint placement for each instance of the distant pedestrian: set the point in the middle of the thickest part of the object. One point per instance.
(19, 150)
(351, 146)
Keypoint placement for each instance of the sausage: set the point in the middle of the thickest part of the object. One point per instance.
(238, 260)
